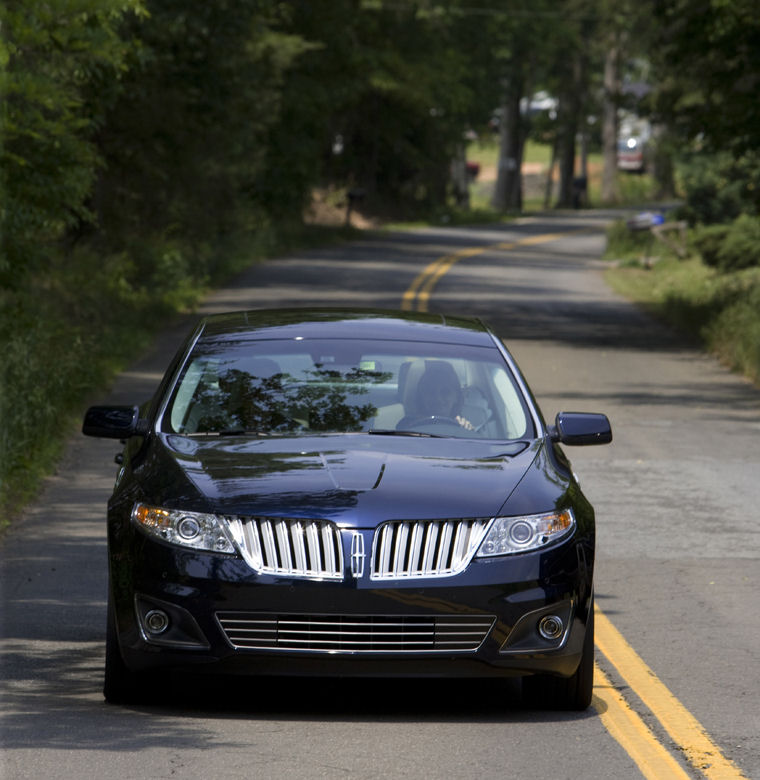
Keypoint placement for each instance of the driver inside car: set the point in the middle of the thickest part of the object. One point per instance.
(438, 396)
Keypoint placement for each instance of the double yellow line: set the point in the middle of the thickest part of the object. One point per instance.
(416, 298)
(634, 736)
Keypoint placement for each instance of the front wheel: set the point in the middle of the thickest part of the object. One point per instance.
(121, 685)
(565, 693)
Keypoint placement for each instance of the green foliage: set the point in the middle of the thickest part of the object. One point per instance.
(707, 71)
(720, 310)
(719, 187)
(58, 343)
(142, 138)
(186, 139)
(633, 246)
(741, 248)
(705, 57)
(730, 247)
(708, 241)
(635, 188)
(623, 242)
(52, 51)
(378, 105)
(67, 331)
(735, 331)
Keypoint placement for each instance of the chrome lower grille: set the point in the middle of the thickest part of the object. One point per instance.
(290, 547)
(355, 633)
(429, 548)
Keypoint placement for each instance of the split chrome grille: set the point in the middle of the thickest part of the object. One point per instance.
(355, 633)
(427, 548)
(290, 547)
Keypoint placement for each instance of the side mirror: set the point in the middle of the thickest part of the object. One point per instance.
(579, 428)
(114, 422)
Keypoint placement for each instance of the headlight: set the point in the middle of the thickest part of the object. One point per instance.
(189, 529)
(509, 535)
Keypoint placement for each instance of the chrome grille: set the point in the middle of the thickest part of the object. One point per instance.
(291, 547)
(355, 633)
(425, 548)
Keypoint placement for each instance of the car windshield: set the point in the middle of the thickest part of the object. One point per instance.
(305, 387)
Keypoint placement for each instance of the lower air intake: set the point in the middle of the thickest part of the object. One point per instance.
(356, 633)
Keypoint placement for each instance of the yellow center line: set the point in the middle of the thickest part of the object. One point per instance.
(424, 282)
(419, 291)
(423, 295)
(531, 240)
(688, 734)
(633, 735)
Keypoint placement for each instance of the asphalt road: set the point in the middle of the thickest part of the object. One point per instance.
(676, 494)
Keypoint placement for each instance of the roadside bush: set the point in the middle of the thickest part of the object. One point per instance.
(707, 242)
(719, 309)
(623, 243)
(741, 248)
(734, 333)
(730, 247)
(718, 188)
(55, 57)
(63, 334)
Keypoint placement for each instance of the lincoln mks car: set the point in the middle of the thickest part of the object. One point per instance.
(350, 493)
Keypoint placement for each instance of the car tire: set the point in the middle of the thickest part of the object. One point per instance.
(543, 691)
(121, 685)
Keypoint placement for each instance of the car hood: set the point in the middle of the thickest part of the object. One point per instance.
(358, 480)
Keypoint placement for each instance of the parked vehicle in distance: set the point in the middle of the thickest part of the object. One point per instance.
(631, 155)
(354, 493)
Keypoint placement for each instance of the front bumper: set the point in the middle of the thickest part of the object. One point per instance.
(222, 617)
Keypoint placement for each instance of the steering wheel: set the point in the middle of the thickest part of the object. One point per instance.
(435, 419)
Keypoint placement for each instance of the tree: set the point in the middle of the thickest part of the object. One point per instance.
(610, 108)
(388, 83)
(625, 36)
(51, 55)
(706, 56)
(518, 54)
(186, 141)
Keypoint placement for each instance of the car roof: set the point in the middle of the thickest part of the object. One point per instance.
(340, 323)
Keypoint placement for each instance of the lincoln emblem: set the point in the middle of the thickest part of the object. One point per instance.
(357, 555)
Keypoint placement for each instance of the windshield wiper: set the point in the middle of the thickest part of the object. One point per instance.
(390, 432)
(231, 432)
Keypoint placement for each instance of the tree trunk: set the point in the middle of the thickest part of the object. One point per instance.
(662, 163)
(610, 120)
(549, 188)
(571, 102)
(507, 195)
(566, 151)
(460, 180)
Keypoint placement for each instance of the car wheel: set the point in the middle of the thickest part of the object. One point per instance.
(121, 685)
(565, 693)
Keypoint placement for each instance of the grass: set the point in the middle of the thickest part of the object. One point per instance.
(486, 152)
(718, 310)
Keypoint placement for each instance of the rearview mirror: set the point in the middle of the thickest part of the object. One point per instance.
(114, 422)
(580, 428)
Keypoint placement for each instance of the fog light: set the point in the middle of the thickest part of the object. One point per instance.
(551, 627)
(156, 621)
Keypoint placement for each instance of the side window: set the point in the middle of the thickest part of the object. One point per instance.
(512, 409)
(187, 391)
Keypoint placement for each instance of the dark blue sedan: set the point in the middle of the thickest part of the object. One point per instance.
(353, 493)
